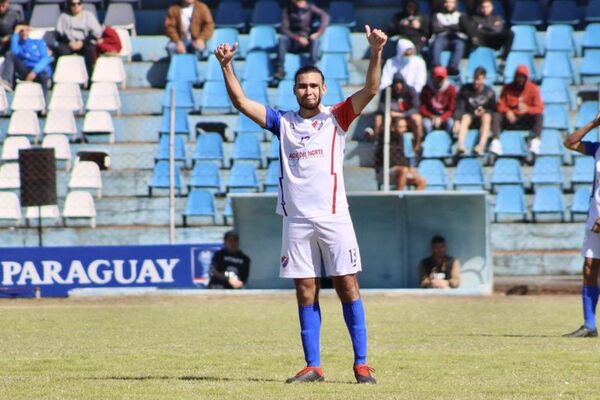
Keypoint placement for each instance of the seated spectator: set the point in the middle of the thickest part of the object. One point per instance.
(28, 60)
(9, 19)
(406, 62)
(77, 32)
(188, 25)
(475, 106)
(297, 33)
(411, 25)
(404, 104)
(451, 29)
(439, 271)
(438, 102)
(402, 170)
(491, 30)
(520, 107)
(230, 267)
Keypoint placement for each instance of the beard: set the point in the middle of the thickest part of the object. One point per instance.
(308, 105)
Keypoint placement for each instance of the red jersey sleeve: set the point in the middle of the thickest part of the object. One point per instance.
(344, 113)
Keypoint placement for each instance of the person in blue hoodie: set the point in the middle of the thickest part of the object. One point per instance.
(27, 60)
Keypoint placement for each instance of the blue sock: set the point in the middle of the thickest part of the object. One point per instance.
(589, 296)
(354, 315)
(310, 325)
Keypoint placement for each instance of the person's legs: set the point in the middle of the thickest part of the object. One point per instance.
(416, 126)
(458, 50)
(537, 125)
(484, 132)
(171, 49)
(589, 291)
(285, 43)
(439, 44)
(427, 125)
(313, 49)
(378, 124)
(465, 123)
(42, 78)
(7, 71)
(354, 314)
(400, 175)
(307, 295)
(497, 120)
(89, 55)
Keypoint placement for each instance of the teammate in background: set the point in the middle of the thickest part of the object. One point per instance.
(230, 267)
(312, 199)
(591, 243)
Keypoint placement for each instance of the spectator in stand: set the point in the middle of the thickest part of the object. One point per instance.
(297, 33)
(408, 63)
(230, 267)
(77, 32)
(440, 270)
(411, 25)
(438, 102)
(109, 43)
(520, 107)
(402, 170)
(451, 29)
(491, 30)
(476, 105)
(404, 104)
(188, 25)
(28, 60)
(9, 19)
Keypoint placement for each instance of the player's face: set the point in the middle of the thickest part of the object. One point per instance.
(438, 250)
(309, 90)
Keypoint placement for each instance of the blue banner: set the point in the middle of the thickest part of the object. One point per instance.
(53, 271)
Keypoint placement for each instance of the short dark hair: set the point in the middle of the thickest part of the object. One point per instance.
(308, 69)
(485, 1)
(437, 239)
(479, 71)
(395, 120)
(231, 235)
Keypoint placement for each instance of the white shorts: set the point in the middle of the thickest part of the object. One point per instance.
(591, 244)
(307, 244)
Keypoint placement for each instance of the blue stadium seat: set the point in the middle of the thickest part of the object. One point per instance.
(258, 67)
(245, 126)
(181, 122)
(205, 175)
(246, 147)
(209, 147)
(292, 63)
(273, 154)
(513, 144)
(548, 200)
(435, 174)
(242, 176)
(482, 57)
(499, 9)
(587, 112)
(471, 140)
(547, 171)
(160, 177)
(183, 67)
(286, 100)
(516, 58)
(590, 67)
(266, 12)
(527, 13)
(271, 183)
(334, 93)
(510, 200)
(437, 145)
(581, 202)
(263, 38)
(556, 117)
(555, 91)
(183, 95)
(336, 39)
(469, 175)
(214, 97)
(230, 15)
(593, 11)
(213, 69)
(409, 151)
(163, 149)
(563, 12)
(256, 90)
(551, 143)
(560, 38)
(334, 66)
(228, 212)
(525, 39)
(583, 171)
(44, 16)
(223, 35)
(591, 37)
(557, 64)
(342, 13)
(200, 203)
(507, 171)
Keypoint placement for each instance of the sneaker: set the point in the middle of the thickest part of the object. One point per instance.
(534, 145)
(583, 332)
(6, 85)
(496, 147)
(362, 373)
(307, 374)
(279, 74)
(369, 133)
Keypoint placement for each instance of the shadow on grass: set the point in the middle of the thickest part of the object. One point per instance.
(195, 378)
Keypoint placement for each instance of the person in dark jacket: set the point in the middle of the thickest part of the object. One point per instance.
(9, 19)
(230, 267)
(451, 29)
(490, 30)
(297, 34)
(476, 105)
(412, 25)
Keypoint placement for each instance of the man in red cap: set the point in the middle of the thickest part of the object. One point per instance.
(438, 101)
(520, 107)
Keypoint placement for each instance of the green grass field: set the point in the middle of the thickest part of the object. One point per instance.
(230, 347)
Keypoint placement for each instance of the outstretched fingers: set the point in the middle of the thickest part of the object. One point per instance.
(368, 30)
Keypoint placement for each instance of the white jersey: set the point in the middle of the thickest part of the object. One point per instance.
(311, 153)
(591, 241)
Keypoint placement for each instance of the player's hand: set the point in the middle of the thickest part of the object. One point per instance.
(512, 118)
(224, 53)
(376, 38)
(596, 121)
(236, 283)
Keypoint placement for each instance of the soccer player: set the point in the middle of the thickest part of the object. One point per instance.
(591, 243)
(312, 199)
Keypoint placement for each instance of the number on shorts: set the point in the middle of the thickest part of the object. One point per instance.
(353, 258)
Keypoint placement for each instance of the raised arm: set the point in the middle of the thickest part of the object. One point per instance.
(253, 109)
(573, 141)
(360, 99)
